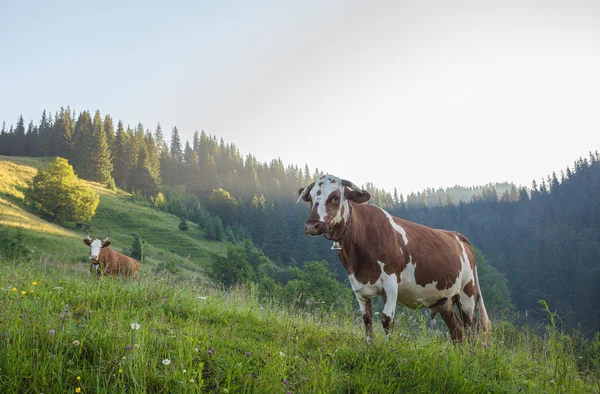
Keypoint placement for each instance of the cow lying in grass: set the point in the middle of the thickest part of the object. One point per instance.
(105, 261)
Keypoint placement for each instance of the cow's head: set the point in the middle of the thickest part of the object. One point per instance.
(95, 246)
(329, 200)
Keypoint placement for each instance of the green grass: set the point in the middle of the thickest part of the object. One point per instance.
(258, 345)
(117, 213)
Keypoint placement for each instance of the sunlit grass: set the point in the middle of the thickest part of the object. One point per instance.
(116, 214)
(159, 336)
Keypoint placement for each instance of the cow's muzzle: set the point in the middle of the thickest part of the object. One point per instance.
(315, 227)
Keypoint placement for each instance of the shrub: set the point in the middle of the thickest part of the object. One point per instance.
(58, 194)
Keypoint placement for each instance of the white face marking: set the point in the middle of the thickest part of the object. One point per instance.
(326, 189)
(396, 227)
(95, 249)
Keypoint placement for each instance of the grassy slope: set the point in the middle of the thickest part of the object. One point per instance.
(216, 341)
(116, 214)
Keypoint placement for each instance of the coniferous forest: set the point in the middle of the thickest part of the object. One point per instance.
(544, 238)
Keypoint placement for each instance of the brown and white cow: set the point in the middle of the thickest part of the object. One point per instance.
(407, 263)
(105, 261)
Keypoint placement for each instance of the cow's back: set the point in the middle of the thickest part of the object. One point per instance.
(115, 263)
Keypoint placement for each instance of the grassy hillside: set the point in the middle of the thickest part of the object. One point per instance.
(62, 331)
(117, 214)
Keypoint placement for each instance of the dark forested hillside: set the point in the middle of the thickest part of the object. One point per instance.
(545, 239)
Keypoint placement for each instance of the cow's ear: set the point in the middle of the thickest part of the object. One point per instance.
(357, 197)
(304, 193)
(105, 244)
(87, 241)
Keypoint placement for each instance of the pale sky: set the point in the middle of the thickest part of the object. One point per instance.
(406, 94)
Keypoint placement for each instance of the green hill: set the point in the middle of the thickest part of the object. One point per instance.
(117, 213)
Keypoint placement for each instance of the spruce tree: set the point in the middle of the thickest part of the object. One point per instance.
(100, 165)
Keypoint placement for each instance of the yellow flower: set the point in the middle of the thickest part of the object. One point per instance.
(78, 390)
(23, 292)
(31, 291)
(14, 289)
(34, 283)
(120, 371)
(79, 378)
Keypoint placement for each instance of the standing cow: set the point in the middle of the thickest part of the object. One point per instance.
(407, 263)
(104, 260)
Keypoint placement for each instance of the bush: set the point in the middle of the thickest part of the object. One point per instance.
(12, 247)
(58, 194)
(183, 226)
(137, 248)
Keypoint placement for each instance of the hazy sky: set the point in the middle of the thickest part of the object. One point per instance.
(409, 94)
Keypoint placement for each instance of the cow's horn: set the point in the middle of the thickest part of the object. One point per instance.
(306, 190)
(88, 236)
(107, 237)
(352, 186)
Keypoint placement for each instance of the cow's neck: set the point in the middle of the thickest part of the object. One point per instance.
(355, 236)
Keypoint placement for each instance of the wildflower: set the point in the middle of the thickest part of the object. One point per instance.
(196, 349)
(135, 326)
(225, 390)
(185, 371)
(76, 343)
(128, 347)
(474, 352)
(405, 360)
(31, 291)
(79, 378)
(166, 361)
(34, 283)
(52, 332)
(282, 354)
(248, 354)
(78, 390)
(285, 381)
(23, 292)
(209, 352)
(202, 297)
(14, 289)
(120, 371)
(537, 370)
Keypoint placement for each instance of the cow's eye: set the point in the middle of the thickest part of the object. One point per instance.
(335, 199)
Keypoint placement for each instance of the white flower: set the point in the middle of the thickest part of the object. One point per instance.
(282, 354)
(166, 361)
(135, 326)
(202, 297)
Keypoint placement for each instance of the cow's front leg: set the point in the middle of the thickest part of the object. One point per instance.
(390, 297)
(365, 308)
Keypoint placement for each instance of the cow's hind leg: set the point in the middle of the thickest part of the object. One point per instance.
(455, 326)
(466, 304)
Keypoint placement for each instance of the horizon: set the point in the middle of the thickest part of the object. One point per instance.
(396, 94)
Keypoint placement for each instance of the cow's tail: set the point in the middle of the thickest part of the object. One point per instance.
(484, 321)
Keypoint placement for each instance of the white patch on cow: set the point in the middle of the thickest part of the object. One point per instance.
(95, 247)
(413, 295)
(390, 285)
(396, 226)
(467, 303)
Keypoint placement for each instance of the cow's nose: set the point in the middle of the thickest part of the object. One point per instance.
(314, 227)
(95, 258)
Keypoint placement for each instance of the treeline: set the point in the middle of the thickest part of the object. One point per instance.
(546, 242)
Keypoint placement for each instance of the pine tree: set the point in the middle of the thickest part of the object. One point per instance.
(176, 150)
(109, 129)
(19, 138)
(183, 226)
(100, 165)
(120, 164)
(82, 144)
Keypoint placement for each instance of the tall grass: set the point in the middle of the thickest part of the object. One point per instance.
(62, 330)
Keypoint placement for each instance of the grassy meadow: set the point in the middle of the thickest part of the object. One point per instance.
(117, 213)
(63, 331)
